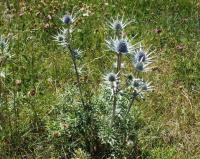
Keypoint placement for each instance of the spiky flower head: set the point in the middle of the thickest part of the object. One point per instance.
(60, 38)
(111, 77)
(141, 86)
(142, 59)
(141, 66)
(77, 53)
(63, 36)
(141, 55)
(121, 45)
(118, 24)
(68, 19)
(111, 80)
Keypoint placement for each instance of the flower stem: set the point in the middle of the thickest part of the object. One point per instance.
(77, 74)
(135, 94)
(130, 105)
(114, 106)
(119, 59)
(75, 67)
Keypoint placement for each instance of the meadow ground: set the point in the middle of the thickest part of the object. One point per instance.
(39, 70)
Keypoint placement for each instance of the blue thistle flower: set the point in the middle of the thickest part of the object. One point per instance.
(141, 86)
(146, 86)
(141, 66)
(141, 55)
(68, 19)
(118, 24)
(60, 38)
(142, 59)
(77, 53)
(121, 45)
(136, 82)
(111, 77)
(111, 80)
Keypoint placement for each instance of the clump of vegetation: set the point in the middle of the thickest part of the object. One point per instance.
(101, 122)
(77, 84)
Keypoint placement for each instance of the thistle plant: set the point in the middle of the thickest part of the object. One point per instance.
(141, 60)
(102, 124)
(64, 38)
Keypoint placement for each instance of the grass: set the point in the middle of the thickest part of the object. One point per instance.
(171, 113)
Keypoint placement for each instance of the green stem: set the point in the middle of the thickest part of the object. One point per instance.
(77, 74)
(130, 105)
(114, 107)
(119, 59)
(135, 94)
(75, 68)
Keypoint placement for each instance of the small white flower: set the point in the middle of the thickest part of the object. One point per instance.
(118, 24)
(121, 45)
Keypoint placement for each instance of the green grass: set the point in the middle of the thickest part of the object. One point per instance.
(171, 113)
